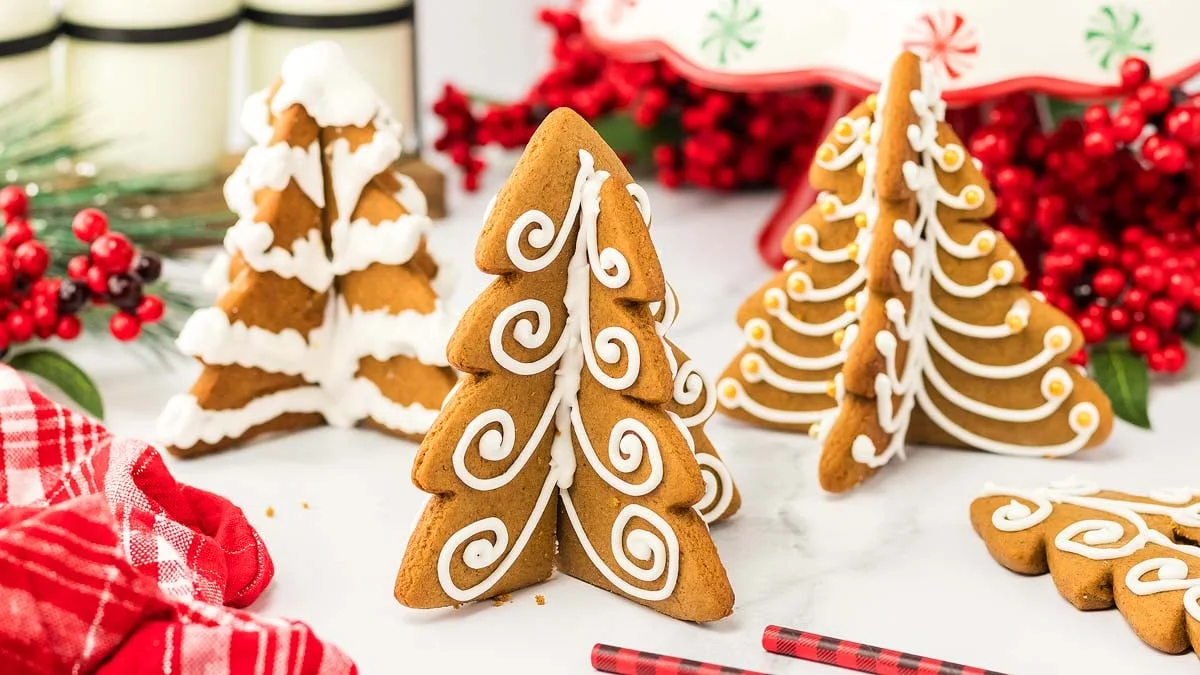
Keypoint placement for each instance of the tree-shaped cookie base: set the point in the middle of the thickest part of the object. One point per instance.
(560, 448)
(948, 347)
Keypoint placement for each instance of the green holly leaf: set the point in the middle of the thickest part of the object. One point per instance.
(1125, 378)
(625, 136)
(1194, 336)
(64, 374)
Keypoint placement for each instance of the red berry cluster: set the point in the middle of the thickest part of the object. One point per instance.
(1107, 208)
(35, 304)
(707, 145)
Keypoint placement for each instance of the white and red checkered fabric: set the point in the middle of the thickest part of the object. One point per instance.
(108, 565)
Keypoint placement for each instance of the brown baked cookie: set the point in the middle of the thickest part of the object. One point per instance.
(948, 347)
(329, 307)
(1104, 549)
(561, 449)
(793, 324)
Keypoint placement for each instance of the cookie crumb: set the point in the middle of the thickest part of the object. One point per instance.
(457, 605)
(616, 502)
(270, 511)
(501, 599)
(304, 505)
(539, 599)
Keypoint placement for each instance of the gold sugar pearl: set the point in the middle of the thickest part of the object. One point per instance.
(839, 337)
(950, 157)
(851, 304)
(1057, 343)
(867, 135)
(872, 102)
(814, 430)
(852, 250)
(985, 245)
(797, 284)
(997, 273)
(1015, 322)
(860, 220)
(729, 390)
(757, 332)
(803, 239)
(1057, 388)
(826, 153)
(973, 196)
(1083, 419)
(843, 129)
(861, 169)
(771, 301)
(750, 365)
(831, 388)
(828, 207)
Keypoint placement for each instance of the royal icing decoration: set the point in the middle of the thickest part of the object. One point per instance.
(631, 445)
(908, 384)
(1110, 538)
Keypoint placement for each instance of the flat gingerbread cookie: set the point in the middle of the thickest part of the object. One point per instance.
(947, 348)
(571, 442)
(1103, 549)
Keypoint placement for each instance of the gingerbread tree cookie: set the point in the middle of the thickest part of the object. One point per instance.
(329, 312)
(794, 323)
(948, 347)
(560, 448)
(1105, 549)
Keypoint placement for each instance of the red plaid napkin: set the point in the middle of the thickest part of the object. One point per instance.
(108, 565)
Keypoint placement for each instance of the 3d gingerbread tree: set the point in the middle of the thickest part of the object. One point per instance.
(330, 313)
(948, 347)
(793, 324)
(559, 449)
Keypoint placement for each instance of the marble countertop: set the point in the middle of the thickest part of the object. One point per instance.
(894, 563)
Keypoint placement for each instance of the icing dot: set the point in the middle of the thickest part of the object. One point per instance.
(828, 207)
(803, 238)
(826, 153)
(1015, 322)
(851, 304)
(860, 220)
(838, 337)
(797, 284)
(729, 390)
(757, 332)
(843, 129)
(973, 196)
(1057, 388)
(831, 389)
(951, 157)
(814, 430)
(872, 102)
(1083, 418)
(750, 364)
(861, 168)
(852, 250)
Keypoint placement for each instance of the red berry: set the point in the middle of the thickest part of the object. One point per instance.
(1149, 277)
(1099, 143)
(1134, 72)
(89, 224)
(1168, 157)
(32, 259)
(1108, 282)
(17, 232)
(77, 267)
(150, 309)
(3, 337)
(1162, 313)
(1079, 358)
(1143, 339)
(1096, 116)
(20, 326)
(1127, 126)
(1136, 299)
(1118, 319)
(97, 281)
(44, 315)
(1180, 287)
(14, 203)
(1093, 329)
(112, 252)
(1154, 97)
(1183, 123)
(124, 327)
(1156, 361)
(1174, 358)
(69, 327)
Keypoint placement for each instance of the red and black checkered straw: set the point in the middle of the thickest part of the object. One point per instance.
(609, 659)
(855, 656)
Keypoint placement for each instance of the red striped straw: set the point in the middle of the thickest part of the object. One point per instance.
(854, 656)
(609, 659)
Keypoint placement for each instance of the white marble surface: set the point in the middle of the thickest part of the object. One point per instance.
(894, 563)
